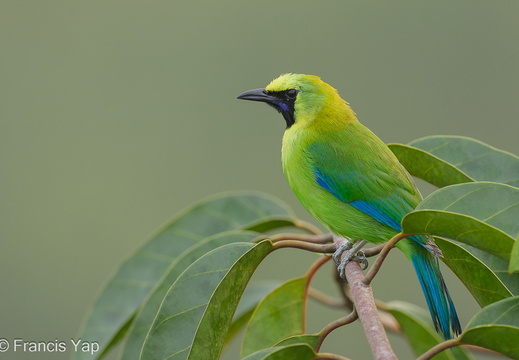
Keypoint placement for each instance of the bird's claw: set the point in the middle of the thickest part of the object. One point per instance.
(338, 253)
(354, 253)
(349, 256)
(361, 259)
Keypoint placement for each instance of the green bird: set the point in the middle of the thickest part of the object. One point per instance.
(348, 179)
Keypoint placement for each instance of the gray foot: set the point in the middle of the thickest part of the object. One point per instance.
(338, 253)
(348, 252)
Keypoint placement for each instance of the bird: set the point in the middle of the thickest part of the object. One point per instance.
(350, 181)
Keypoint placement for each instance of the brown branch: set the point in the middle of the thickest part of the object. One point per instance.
(343, 289)
(362, 298)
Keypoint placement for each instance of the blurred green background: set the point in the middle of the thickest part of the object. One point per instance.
(116, 115)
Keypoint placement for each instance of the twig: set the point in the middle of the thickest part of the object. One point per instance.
(318, 248)
(315, 266)
(316, 239)
(435, 350)
(351, 317)
(309, 276)
(382, 256)
(372, 251)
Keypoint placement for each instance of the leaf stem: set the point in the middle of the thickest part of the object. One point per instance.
(435, 350)
(317, 248)
(316, 266)
(316, 239)
(372, 251)
(351, 317)
(309, 276)
(382, 256)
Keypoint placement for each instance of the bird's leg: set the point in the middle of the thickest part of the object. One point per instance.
(353, 253)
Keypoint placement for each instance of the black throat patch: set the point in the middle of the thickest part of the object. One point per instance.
(283, 101)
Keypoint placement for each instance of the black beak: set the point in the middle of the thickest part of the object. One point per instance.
(276, 99)
(257, 95)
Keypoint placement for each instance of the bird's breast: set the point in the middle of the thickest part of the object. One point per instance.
(293, 149)
(297, 163)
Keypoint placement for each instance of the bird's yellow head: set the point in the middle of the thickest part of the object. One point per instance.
(303, 100)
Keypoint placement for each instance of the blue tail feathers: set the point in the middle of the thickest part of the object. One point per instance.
(437, 296)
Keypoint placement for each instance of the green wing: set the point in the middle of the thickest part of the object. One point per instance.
(369, 178)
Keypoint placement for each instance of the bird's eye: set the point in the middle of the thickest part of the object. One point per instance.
(291, 94)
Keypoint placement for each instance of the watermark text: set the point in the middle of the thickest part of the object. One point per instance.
(48, 346)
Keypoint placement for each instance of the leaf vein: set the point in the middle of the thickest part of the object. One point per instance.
(178, 352)
(464, 196)
(500, 212)
(474, 158)
(443, 144)
(504, 314)
(180, 313)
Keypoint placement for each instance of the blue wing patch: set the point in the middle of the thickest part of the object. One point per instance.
(361, 205)
(366, 208)
(322, 183)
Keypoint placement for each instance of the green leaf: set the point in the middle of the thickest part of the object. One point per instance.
(447, 160)
(514, 258)
(279, 315)
(138, 275)
(493, 203)
(461, 228)
(496, 327)
(197, 310)
(290, 352)
(416, 325)
(253, 294)
(498, 266)
(504, 312)
(482, 214)
(480, 280)
(478, 160)
(146, 315)
(428, 167)
(270, 223)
